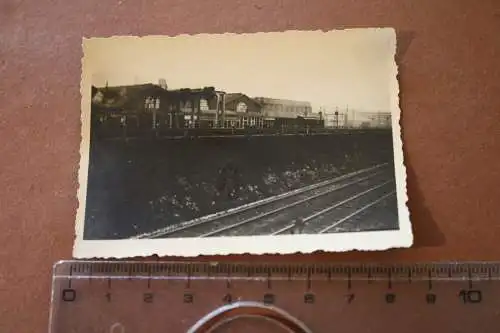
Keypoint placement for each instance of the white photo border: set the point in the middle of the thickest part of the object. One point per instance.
(258, 245)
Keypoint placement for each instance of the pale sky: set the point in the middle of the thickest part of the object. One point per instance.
(337, 68)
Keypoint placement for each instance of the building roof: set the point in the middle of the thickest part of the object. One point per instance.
(187, 93)
(267, 100)
(129, 97)
(234, 96)
(124, 97)
(132, 86)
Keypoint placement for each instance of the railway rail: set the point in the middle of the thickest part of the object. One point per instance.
(342, 195)
(319, 219)
(322, 222)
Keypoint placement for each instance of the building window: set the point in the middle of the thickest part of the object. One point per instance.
(186, 106)
(241, 107)
(204, 105)
(151, 103)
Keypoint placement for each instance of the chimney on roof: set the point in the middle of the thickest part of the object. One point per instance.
(163, 83)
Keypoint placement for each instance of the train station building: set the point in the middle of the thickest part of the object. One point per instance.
(147, 107)
(285, 113)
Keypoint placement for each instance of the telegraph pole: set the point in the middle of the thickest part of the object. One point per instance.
(336, 117)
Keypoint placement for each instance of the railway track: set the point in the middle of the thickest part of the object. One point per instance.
(320, 218)
(273, 215)
(378, 215)
(347, 215)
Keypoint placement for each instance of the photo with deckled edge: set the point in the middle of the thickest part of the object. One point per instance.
(262, 143)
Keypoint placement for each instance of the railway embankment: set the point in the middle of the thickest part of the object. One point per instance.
(139, 186)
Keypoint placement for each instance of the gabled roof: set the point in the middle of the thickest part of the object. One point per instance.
(125, 97)
(118, 98)
(234, 96)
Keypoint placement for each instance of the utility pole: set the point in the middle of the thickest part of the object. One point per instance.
(346, 117)
(336, 117)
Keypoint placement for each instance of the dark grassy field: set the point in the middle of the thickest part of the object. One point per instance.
(140, 186)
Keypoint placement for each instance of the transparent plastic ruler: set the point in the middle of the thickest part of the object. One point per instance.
(175, 297)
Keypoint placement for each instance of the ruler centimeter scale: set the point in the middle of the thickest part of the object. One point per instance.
(195, 297)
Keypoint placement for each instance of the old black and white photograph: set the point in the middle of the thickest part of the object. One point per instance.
(277, 142)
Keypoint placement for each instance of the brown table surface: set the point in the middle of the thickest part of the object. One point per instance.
(450, 81)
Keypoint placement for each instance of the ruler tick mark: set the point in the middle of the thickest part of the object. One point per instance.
(469, 277)
(309, 280)
(70, 275)
(90, 274)
(150, 273)
(189, 272)
(429, 279)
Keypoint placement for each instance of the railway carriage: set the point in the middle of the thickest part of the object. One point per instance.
(299, 123)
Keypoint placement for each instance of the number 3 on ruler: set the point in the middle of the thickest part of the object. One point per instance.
(117, 328)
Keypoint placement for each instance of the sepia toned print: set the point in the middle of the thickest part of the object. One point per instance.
(278, 142)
